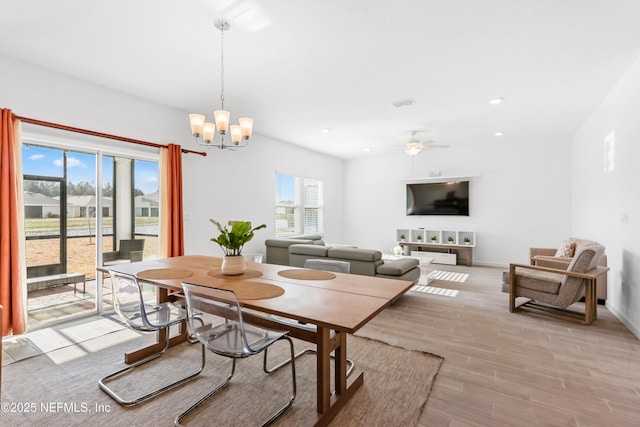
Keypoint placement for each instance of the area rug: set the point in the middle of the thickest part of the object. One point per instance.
(60, 388)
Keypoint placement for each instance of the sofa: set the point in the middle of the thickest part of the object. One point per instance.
(561, 258)
(278, 249)
(366, 262)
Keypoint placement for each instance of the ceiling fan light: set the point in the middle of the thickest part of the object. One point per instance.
(197, 122)
(413, 148)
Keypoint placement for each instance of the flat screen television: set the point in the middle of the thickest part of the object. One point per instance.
(438, 198)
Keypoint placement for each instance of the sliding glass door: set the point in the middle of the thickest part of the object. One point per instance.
(70, 223)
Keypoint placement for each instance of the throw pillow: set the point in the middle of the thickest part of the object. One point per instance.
(566, 250)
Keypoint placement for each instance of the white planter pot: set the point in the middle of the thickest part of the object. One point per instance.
(233, 265)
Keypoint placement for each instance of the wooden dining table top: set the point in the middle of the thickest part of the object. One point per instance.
(343, 302)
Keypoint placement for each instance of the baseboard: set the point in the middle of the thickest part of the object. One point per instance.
(635, 330)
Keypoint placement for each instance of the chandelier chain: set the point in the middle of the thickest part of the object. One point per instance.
(222, 68)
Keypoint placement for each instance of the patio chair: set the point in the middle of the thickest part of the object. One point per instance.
(129, 250)
(316, 264)
(139, 315)
(225, 333)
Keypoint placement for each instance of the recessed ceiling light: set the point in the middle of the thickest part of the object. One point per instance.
(496, 101)
(325, 130)
(499, 133)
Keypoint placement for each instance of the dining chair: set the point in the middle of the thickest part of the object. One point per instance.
(316, 264)
(140, 315)
(224, 332)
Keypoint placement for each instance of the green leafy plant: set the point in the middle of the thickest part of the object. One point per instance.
(402, 237)
(467, 240)
(434, 238)
(232, 240)
(419, 237)
(450, 239)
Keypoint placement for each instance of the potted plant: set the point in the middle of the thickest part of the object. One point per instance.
(403, 237)
(419, 238)
(467, 241)
(231, 242)
(450, 239)
(434, 239)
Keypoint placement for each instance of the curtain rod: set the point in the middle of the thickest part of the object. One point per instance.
(100, 134)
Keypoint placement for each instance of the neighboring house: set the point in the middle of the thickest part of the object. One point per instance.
(147, 205)
(38, 205)
(85, 206)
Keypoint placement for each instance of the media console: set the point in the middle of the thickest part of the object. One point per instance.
(445, 243)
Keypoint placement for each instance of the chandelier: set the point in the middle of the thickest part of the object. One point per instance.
(204, 132)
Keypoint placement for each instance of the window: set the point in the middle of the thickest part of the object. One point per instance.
(299, 205)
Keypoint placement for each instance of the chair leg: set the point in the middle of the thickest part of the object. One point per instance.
(293, 378)
(273, 417)
(205, 398)
(350, 363)
(103, 381)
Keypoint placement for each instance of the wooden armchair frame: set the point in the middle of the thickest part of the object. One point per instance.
(590, 307)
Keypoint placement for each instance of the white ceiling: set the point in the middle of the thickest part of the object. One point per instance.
(299, 66)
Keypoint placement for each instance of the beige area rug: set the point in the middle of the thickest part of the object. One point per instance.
(60, 388)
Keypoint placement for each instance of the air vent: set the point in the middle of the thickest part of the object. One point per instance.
(403, 102)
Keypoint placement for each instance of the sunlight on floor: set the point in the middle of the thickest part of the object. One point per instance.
(434, 290)
(449, 276)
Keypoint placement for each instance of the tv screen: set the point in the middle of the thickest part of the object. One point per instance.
(438, 198)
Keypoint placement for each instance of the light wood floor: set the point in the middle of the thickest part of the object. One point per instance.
(504, 369)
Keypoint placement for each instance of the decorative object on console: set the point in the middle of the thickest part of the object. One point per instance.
(206, 130)
(231, 242)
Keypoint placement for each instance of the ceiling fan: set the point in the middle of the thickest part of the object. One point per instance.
(414, 146)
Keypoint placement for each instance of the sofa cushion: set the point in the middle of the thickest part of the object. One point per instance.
(566, 250)
(285, 243)
(541, 281)
(309, 249)
(397, 267)
(354, 254)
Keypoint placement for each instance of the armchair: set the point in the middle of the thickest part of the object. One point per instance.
(128, 251)
(550, 290)
(548, 257)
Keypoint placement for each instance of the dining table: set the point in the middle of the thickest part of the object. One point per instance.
(334, 304)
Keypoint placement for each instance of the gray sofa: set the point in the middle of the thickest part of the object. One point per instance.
(366, 262)
(278, 249)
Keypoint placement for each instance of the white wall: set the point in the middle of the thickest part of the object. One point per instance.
(223, 185)
(600, 200)
(241, 185)
(518, 199)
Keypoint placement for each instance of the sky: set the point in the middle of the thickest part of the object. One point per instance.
(285, 188)
(81, 167)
